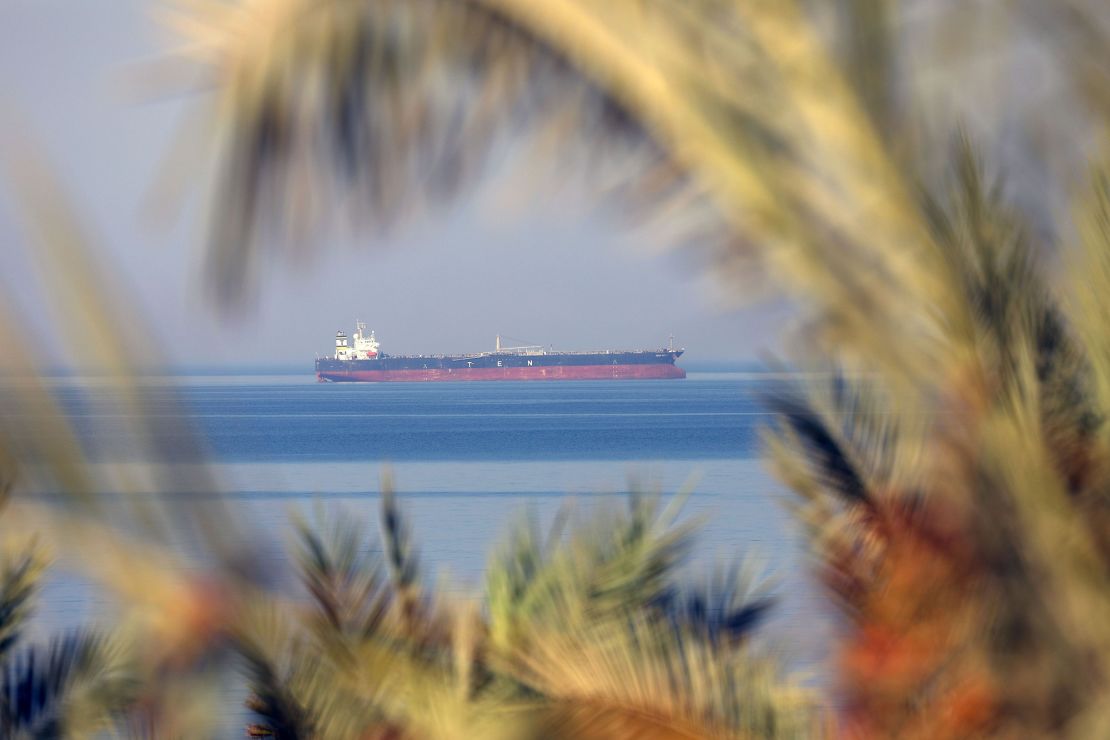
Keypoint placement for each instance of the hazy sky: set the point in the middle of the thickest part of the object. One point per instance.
(449, 284)
(538, 271)
(445, 285)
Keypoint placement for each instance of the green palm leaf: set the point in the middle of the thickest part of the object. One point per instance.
(76, 683)
(19, 581)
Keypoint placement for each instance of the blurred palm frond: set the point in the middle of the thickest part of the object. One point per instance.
(955, 490)
(19, 581)
(937, 538)
(73, 685)
(733, 120)
(85, 682)
(602, 636)
(346, 584)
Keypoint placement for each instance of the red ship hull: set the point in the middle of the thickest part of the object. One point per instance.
(568, 372)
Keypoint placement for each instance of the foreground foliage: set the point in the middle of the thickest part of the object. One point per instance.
(950, 449)
(953, 469)
(969, 547)
(586, 633)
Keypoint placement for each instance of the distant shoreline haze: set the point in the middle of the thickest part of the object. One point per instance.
(306, 368)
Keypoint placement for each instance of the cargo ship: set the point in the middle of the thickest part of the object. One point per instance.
(359, 358)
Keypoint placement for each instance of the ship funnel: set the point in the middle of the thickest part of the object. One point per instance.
(498, 342)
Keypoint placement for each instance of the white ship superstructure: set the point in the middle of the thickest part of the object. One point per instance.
(360, 347)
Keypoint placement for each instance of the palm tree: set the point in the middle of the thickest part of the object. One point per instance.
(589, 632)
(956, 492)
(935, 535)
(586, 633)
(78, 682)
(951, 468)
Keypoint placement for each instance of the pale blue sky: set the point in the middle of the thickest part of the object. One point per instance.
(446, 285)
(538, 271)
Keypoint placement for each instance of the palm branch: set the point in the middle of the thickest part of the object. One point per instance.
(735, 120)
(81, 683)
(74, 684)
(608, 598)
(756, 145)
(18, 585)
(602, 626)
(345, 583)
(942, 559)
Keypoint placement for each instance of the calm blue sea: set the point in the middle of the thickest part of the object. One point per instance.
(467, 460)
(295, 419)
